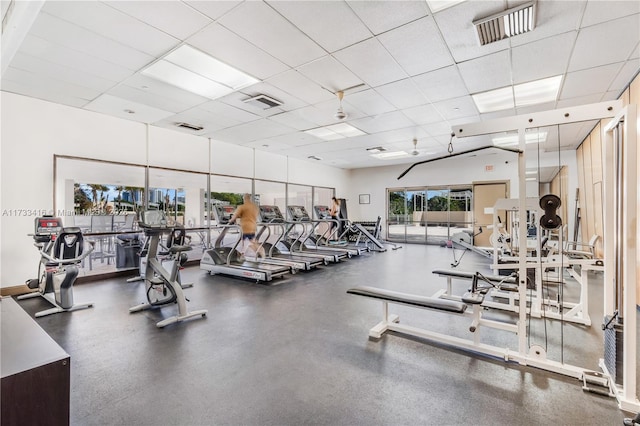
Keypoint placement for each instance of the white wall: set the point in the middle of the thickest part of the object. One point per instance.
(34, 130)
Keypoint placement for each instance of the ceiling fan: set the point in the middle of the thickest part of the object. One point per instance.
(415, 148)
(340, 114)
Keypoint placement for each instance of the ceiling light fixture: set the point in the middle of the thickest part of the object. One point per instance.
(531, 93)
(512, 138)
(335, 131)
(511, 22)
(390, 155)
(195, 71)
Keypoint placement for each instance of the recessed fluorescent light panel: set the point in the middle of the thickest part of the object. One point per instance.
(531, 93)
(512, 139)
(336, 131)
(391, 155)
(438, 5)
(511, 22)
(195, 71)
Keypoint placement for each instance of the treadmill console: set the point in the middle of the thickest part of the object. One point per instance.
(271, 214)
(298, 213)
(223, 213)
(322, 212)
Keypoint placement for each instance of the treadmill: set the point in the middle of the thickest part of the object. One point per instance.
(271, 216)
(225, 260)
(299, 215)
(322, 213)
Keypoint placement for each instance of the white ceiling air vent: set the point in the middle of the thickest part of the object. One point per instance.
(262, 102)
(190, 126)
(509, 23)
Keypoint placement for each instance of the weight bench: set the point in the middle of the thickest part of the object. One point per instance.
(390, 322)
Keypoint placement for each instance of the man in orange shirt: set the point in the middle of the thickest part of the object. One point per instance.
(248, 214)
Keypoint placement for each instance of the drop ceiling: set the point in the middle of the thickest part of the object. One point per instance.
(406, 72)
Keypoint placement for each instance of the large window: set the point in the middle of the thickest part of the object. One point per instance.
(104, 199)
(429, 214)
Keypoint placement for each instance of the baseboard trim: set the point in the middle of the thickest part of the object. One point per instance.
(15, 290)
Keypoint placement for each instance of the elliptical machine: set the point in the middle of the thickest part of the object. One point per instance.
(162, 286)
(61, 251)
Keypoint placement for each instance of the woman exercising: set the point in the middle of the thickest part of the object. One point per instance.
(334, 212)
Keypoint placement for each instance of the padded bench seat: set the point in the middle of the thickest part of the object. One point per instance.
(409, 299)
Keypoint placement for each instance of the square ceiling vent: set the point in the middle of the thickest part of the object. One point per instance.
(511, 22)
(262, 102)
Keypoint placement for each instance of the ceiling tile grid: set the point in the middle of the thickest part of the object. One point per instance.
(406, 72)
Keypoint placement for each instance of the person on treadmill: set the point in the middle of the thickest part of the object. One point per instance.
(248, 213)
(334, 212)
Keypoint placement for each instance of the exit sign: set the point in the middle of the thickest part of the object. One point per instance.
(488, 168)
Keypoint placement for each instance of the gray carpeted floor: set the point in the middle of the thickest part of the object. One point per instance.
(297, 352)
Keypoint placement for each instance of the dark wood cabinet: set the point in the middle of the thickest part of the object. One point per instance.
(35, 382)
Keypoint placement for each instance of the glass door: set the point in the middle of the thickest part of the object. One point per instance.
(416, 221)
(396, 215)
(437, 220)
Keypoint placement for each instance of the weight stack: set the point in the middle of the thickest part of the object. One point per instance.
(613, 343)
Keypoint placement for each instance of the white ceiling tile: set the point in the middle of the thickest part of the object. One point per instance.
(369, 102)
(381, 16)
(261, 25)
(59, 72)
(456, 25)
(487, 72)
(597, 12)
(228, 113)
(249, 132)
(383, 122)
(44, 91)
(423, 114)
(461, 107)
(233, 50)
(118, 107)
(98, 18)
(74, 37)
(402, 136)
(214, 9)
(552, 18)
(330, 74)
(332, 24)
(167, 91)
(291, 140)
(320, 117)
(294, 120)
(439, 129)
(173, 17)
(49, 84)
(580, 100)
(418, 46)
(441, 84)
(54, 53)
(150, 98)
(614, 40)
(544, 58)
(625, 76)
(402, 94)
(294, 83)
(590, 81)
(370, 61)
